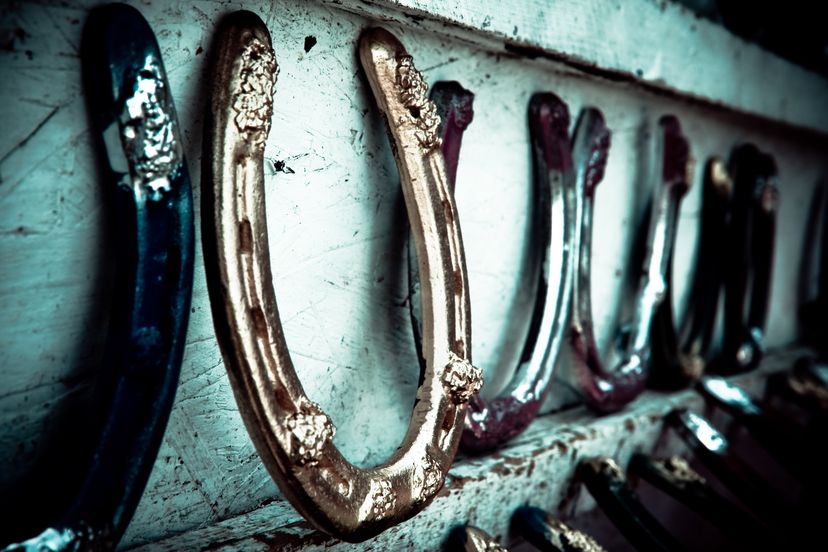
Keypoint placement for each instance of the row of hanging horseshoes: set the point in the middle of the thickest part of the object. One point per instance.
(134, 117)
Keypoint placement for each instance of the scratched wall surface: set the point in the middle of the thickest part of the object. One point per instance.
(337, 230)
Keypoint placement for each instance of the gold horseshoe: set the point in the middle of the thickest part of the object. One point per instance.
(292, 434)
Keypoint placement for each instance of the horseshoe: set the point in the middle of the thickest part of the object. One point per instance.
(814, 302)
(603, 389)
(749, 260)
(491, 423)
(775, 432)
(133, 115)
(292, 434)
(467, 538)
(549, 534)
(679, 358)
(675, 477)
(608, 486)
(713, 450)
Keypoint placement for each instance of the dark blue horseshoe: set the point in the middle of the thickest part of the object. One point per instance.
(148, 182)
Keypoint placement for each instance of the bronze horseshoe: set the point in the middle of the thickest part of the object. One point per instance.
(292, 434)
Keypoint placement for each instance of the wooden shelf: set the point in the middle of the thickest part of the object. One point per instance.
(536, 468)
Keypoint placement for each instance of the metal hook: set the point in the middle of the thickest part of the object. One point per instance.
(605, 389)
(491, 423)
(292, 434)
(133, 115)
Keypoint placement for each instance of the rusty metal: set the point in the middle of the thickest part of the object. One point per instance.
(493, 422)
(607, 484)
(609, 389)
(549, 534)
(291, 433)
(680, 357)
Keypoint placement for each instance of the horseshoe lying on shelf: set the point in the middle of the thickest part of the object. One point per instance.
(675, 477)
(292, 434)
(814, 294)
(493, 422)
(133, 115)
(607, 484)
(605, 389)
(749, 259)
(549, 534)
(679, 358)
(777, 435)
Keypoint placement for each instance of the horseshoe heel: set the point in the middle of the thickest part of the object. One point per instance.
(292, 434)
(133, 114)
(603, 389)
(549, 534)
(777, 434)
(679, 358)
(491, 423)
(750, 259)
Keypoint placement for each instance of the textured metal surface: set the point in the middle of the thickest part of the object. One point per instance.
(293, 435)
(537, 468)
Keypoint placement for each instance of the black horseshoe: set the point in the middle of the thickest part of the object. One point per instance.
(135, 121)
(749, 259)
(607, 387)
(680, 357)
